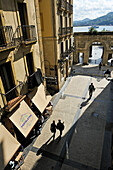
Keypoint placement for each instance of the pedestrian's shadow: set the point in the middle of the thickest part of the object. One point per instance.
(43, 149)
(84, 103)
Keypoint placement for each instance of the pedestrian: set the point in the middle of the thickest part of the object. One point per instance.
(91, 90)
(53, 128)
(107, 73)
(100, 66)
(60, 127)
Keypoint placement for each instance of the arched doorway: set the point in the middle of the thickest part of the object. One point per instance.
(96, 52)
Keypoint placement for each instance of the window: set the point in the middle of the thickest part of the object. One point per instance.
(70, 22)
(62, 47)
(66, 45)
(60, 21)
(66, 22)
(7, 80)
(24, 20)
(70, 43)
(30, 63)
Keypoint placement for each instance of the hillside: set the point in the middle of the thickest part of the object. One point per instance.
(103, 20)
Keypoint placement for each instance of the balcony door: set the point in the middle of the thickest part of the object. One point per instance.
(62, 48)
(30, 63)
(66, 45)
(7, 80)
(24, 20)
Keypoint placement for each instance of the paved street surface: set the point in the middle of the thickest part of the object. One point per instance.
(86, 139)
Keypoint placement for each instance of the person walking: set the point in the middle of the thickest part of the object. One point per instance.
(100, 66)
(91, 90)
(60, 127)
(53, 129)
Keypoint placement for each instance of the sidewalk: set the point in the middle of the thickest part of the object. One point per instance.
(81, 145)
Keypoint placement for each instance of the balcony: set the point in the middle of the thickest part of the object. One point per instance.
(71, 9)
(11, 97)
(62, 5)
(70, 50)
(64, 55)
(62, 32)
(69, 30)
(27, 34)
(67, 6)
(6, 38)
(35, 79)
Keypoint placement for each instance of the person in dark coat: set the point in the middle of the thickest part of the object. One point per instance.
(100, 66)
(91, 90)
(53, 129)
(60, 127)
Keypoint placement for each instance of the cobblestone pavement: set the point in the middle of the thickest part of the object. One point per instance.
(86, 139)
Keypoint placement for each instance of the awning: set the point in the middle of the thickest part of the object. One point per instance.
(39, 98)
(8, 146)
(24, 119)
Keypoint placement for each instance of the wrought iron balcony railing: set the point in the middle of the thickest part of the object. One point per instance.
(70, 50)
(11, 94)
(27, 33)
(67, 6)
(64, 55)
(62, 4)
(62, 31)
(66, 30)
(71, 9)
(6, 37)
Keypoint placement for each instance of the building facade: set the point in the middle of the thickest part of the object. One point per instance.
(21, 70)
(57, 35)
(36, 50)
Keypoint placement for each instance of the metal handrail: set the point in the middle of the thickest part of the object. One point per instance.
(11, 89)
(27, 32)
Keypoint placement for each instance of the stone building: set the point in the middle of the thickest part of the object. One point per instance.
(21, 73)
(36, 51)
(57, 36)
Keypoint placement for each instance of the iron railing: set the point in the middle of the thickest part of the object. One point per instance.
(67, 6)
(62, 55)
(62, 31)
(11, 94)
(66, 30)
(62, 4)
(27, 33)
(70, 50)
(6, 36)
(65, 54)
(71, 9)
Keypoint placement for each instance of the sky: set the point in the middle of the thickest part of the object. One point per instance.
(91, 8)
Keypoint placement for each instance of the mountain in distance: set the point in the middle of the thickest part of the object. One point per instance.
(103, 20)
(77, 23)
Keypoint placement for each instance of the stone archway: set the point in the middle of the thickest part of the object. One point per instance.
(105, 55)
(83, 41)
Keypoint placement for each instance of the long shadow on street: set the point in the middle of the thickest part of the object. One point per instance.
(85, 139)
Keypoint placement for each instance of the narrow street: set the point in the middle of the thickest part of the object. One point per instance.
(86, 139)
